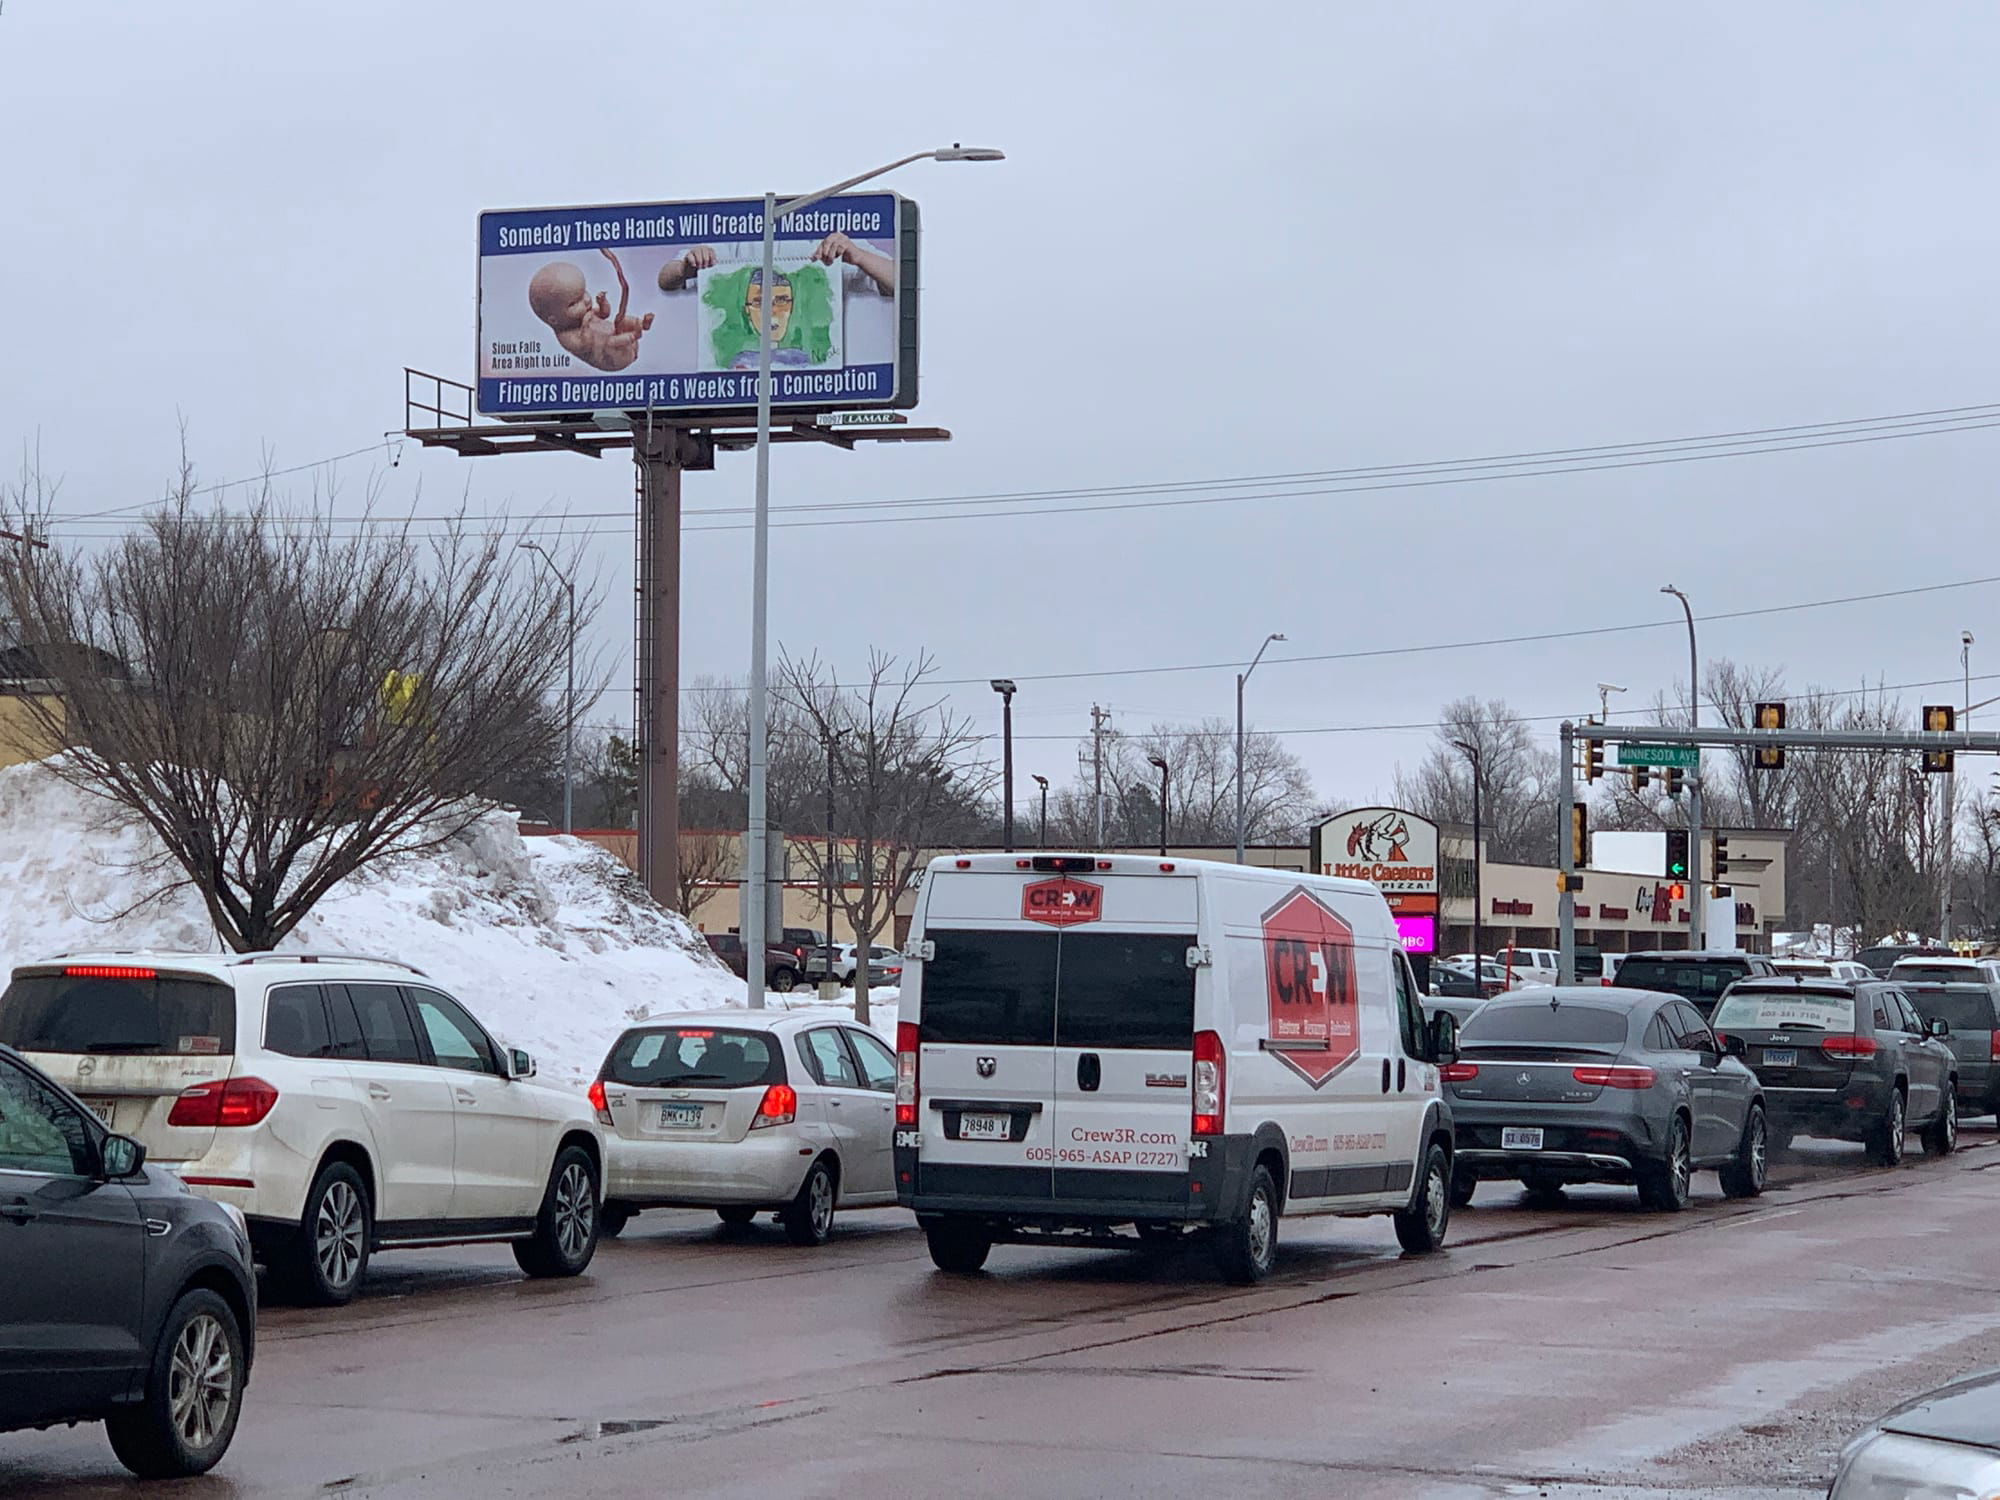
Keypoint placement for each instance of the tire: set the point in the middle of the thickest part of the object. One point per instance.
(1885, 1141)
(1941, 1135)
(1744, 1177)
(736, 1217)
(566, 1229)
(194, 1394)
(785, 981)
(1247, 1248)
(847, 980)
(958, 1247)
(324, 1266)
(1664, 1187)
(612, 1219)
(1463, 1186)
(808, 1219)
(1420, 1227)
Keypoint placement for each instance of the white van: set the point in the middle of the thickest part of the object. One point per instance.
(1118, 1049)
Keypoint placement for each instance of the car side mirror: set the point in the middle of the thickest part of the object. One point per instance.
(120, 1156)
(1937, 1026)
(519, 1064)
(1444, 1038)
(1734, 1046)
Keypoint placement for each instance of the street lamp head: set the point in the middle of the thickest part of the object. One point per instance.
(956, 152)
(1280, 636)
(529, 546)
(1040, 781)
(1004, 686)
(1965, 637)
(1156, 761)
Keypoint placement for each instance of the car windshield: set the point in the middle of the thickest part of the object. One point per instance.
(1767, 1010)
(1696, 980)
(709, 1057)
(109, 1009)
(1543, 1024)
(1963, 1007)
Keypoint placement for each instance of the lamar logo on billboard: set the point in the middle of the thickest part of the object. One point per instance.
(1062, 902)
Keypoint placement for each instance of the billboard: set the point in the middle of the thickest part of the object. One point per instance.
(1391, 848)
(655, 307)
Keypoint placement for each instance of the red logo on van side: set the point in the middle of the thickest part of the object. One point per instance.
(1309, 985)
(1062, 902)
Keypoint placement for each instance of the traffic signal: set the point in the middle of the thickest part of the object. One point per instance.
(1677, 892)
(1677, 854)
(1721, 857)
(1579, 835)
(1770, 716)
(1593, 759)
(1675, 776)
(1642, 777)
(1939, 718)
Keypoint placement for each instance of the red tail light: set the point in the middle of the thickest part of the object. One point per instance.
(107, 971)
(1210, 1069)
(1993, 1043)
(239, 1101)
(599, 1103)
(780, 1106)
(906, 1074)
(1619, 1077)
(1459, 1072)
(1849, 1046)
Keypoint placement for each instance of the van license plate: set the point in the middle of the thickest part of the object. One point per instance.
(1520, 1138)
(984, 1127)
(680, 1116)
(1781, 1057)
(102, 1108)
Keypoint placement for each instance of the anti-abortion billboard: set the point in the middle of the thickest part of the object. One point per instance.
(656, 307)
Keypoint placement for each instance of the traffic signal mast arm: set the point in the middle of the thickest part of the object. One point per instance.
(1970, 741)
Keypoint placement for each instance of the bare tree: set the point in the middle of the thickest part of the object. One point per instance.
(1278, 797)
(1519, 781)
(900, 760)
(283, 706)
(707, 859)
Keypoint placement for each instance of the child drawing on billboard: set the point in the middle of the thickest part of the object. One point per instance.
(586, 327)
(805, 308)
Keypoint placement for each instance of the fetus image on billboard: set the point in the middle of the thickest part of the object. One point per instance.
(560, 297)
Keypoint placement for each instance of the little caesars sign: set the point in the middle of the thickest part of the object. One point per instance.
(1395, 850)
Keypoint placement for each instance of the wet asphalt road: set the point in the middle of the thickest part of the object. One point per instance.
(1588, 1350)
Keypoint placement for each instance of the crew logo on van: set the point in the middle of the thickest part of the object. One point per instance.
(1309, 985)
(1062, 902)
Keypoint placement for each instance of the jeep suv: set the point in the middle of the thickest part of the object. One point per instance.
(1697, 977)
(342, 1104)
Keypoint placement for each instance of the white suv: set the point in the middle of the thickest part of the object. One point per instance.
(344, 1104)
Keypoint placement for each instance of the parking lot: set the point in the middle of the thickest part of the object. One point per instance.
(1590, 1349)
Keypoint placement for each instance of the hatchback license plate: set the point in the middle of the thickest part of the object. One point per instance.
(1520, 1138)
(984, 1127)
(102, 1108)
(1782, 1057)
(680, 1116)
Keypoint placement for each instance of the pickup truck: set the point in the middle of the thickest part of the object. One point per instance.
(781, 965)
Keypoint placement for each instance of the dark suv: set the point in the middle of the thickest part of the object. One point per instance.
(782, 967)
(1697, 977)
(124, 1298)
(1972, 1011)
(1849, 1060)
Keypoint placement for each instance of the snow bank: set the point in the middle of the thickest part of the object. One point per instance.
(552, 942)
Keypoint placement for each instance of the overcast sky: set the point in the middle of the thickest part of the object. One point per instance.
(1225, 243)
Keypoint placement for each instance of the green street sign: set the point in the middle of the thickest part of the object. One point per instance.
(1687, 757)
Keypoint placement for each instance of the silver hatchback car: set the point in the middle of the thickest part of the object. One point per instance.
(745, 1111)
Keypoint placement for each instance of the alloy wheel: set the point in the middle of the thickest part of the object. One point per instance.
(337, 1231)
(1759, 1152)
(201, 1382)
(1679, 1168)
(820, 1204)
(576, 1208)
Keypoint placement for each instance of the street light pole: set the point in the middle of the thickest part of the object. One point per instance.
(1042, 840)
(568, 581)
(1478, 927)
(1004, 686)
(1161, 763)
(1241, 678)
(1698, 912)
(1949, 833)
(757, 831)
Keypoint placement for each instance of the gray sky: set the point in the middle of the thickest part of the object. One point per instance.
(1225, 243)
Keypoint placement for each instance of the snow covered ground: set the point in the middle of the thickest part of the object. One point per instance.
(551, 941)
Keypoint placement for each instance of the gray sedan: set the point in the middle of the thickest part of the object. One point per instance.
(1576, 1084)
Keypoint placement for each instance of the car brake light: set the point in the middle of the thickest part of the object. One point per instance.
(779, 1106)
(1849, 1046)
(1993, 1044)
(599, 1103)
(906, 1073)
(237, 1102)
(1618, 1077)
(1209, 1069)
(108, 971)
(1459, 1072)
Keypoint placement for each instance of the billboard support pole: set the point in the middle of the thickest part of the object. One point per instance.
(659, 455)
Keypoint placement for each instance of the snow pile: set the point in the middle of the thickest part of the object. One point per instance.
(551, 942)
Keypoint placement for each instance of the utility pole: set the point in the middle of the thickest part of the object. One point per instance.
(1565, 865)
(1004, 686)
(1698, 913)
(1099, 717)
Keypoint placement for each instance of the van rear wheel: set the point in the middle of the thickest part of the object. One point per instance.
(958, 1247)
(1246, 1249)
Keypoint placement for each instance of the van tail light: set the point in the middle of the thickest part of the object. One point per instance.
(906, 1074)
(1849, 1046)
(1209, 1079)
(599, 1103)
(1459, 1072)
(779, 1106)
(237, 1101)
(1993, 1045)
(1619, 1077)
